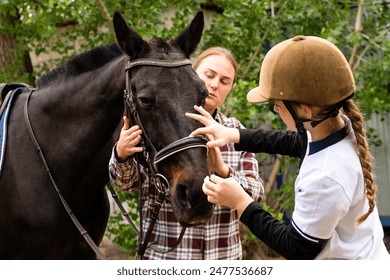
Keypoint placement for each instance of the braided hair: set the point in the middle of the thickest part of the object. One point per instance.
(352, 111)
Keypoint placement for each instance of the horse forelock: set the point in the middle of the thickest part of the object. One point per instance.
(160, 44)
(81, 63)
(168, 49)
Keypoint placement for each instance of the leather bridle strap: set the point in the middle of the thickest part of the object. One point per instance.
(158, 180)
(123, 210)
(185, 143)
(76, 222)
(173, 148)
(159, 63)
(155, 248)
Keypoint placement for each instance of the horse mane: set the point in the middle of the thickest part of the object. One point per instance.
(81, 63)
(92, 59)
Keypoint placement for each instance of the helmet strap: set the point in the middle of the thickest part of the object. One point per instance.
(298, 123)
(300, 128)
(332, 113)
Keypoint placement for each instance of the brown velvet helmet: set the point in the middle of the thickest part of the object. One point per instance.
(304, 69)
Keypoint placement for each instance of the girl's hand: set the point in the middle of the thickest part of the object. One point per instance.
(226, 192)
(222, 134)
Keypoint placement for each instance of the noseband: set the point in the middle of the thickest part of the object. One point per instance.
(157, 179)
(131, 112)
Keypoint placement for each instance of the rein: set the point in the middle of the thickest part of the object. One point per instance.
(158, 180)
(76, 222)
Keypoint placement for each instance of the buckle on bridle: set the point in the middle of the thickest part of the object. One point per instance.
(161, 183)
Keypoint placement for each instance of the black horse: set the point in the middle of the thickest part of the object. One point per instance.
(75, 114)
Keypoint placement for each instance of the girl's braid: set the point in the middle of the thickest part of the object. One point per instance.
(354, 114)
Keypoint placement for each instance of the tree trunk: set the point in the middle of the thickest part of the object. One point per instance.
(15, 61)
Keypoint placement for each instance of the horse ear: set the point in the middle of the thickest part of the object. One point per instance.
(189, 38)
(128, 40)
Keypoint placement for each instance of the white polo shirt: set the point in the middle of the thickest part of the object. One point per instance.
(330, 197)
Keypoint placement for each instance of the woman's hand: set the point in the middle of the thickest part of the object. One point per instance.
(215, 160)
(222, 135)
(226, 192)
(128, 140)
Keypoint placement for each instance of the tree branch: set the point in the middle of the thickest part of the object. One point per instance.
(373, 42)
(105, 15)
(260, 45)
(274, 173)
(358, 30)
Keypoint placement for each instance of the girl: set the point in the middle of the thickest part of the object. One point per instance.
(335, 216)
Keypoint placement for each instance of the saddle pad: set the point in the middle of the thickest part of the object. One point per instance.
(3, 127)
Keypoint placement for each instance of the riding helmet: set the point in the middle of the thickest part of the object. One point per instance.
(305, 69)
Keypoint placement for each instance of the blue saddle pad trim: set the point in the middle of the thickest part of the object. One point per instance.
(3, 128)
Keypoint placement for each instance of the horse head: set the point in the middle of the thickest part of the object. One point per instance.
(163, 86)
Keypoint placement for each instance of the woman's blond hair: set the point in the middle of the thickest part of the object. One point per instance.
(218, 51)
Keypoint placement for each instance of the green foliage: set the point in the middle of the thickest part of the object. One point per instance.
(118, 229)
(281, 198)
(248, 28)
(374, 140)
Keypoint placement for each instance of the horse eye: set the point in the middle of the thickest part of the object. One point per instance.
(145, 102)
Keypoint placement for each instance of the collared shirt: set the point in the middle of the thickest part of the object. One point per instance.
(219, 238)
(330, 197)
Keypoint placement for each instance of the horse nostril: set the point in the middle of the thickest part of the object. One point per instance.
(192, 203)
(184, 194)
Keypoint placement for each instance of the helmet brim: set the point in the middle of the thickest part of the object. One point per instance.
(254, 96)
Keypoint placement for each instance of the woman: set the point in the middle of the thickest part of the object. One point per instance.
(219, 238)
(335, 216)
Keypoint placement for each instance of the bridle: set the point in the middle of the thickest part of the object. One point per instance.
(158, 180)
(154, 157)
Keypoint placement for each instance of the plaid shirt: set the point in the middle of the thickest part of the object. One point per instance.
(219, 238)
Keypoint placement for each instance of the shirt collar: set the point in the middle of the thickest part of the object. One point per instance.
(332, 139)
(217, 116)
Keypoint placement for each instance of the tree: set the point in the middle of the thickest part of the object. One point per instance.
(14, 57)
(248, 28)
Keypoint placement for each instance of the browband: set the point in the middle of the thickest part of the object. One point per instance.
(160, 63)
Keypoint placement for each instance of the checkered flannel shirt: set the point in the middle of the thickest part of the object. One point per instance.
(219, 238)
